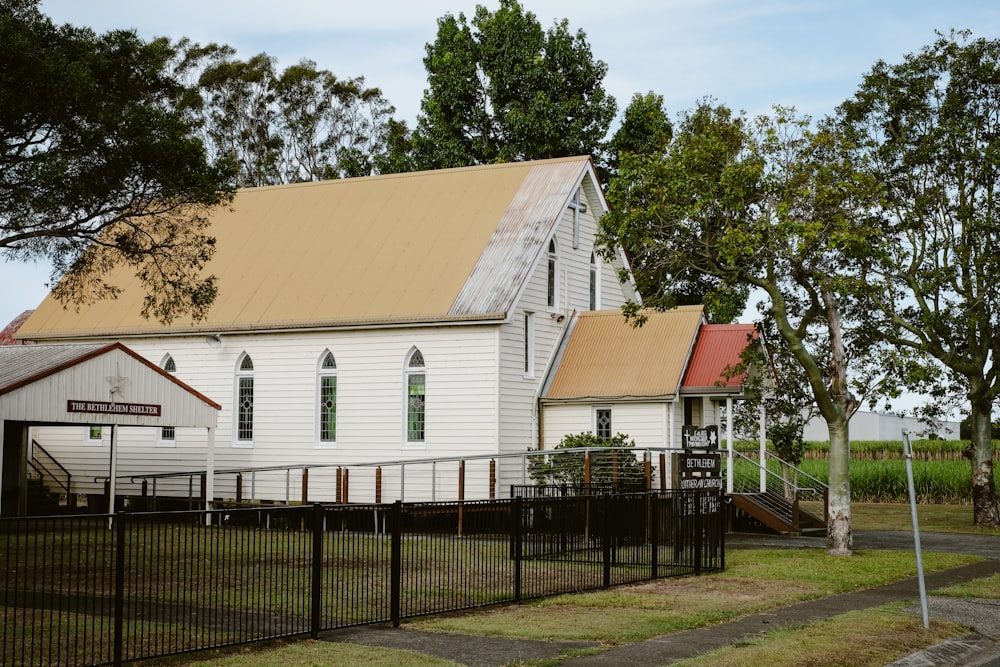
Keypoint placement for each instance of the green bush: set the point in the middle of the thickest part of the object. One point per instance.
(611, 461)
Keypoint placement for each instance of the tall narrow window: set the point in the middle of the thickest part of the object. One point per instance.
(529, 345)
(168, 434)
(244, 400)
(328, 399)
(602, 423)
(593, 282)
(551, 294)
(416, 397)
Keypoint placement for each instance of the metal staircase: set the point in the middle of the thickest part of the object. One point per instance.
(49, 484)
(768, 497)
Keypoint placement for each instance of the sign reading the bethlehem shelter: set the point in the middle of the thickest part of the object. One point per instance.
(108, 408)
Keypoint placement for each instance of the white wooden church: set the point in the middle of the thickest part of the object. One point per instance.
(392, 319)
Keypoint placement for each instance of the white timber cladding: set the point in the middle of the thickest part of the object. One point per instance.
(461, 412)
(518, 393)
(645, 423)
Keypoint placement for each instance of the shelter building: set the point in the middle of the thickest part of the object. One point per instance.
(97, 388)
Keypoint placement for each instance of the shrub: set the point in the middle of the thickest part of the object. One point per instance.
(611, 462)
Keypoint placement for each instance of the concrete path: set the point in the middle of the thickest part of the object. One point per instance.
(979, 648)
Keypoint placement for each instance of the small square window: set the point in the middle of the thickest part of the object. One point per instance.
(94, 435)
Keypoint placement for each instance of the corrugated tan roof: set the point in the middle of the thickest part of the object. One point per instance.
(606, 357)
(719, 347)
(446, 245)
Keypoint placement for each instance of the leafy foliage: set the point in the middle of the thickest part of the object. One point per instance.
(927, 129)
(502, 89)
(616, 466)
(301, 124)
(769, 204)
(99, 167)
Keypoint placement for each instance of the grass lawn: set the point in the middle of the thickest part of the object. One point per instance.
(930, 518)
(754, 581)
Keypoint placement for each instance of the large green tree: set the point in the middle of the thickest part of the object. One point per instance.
(767, 204)
(500, 89)
(928, 130)
(98, 167)
(642, 140)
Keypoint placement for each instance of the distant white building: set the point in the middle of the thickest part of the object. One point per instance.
(883, 426)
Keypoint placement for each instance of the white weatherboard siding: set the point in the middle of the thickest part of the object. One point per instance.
(645, 423)
(518, 394)
(461, 413)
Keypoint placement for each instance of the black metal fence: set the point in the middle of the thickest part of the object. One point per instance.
(93, 590)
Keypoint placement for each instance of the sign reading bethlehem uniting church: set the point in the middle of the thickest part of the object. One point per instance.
(109, 408)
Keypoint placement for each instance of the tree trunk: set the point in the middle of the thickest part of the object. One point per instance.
(839, 538)
(980, 455)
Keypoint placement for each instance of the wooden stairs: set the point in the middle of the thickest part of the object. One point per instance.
(771, 512)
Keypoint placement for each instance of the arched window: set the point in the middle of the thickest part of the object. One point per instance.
(551, 292)
(415, 381)
(595, 283)
(244, 399)
(327, 393)
(168, 434)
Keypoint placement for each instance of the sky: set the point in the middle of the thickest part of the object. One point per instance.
(747, 54)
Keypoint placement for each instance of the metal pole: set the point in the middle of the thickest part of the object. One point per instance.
(763, 448)
(114, 471)
(908, 456)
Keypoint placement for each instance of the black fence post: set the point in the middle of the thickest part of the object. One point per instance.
(698, 530)
(606, 502)
(654, 534)
(721, 518)
(119, 530)
(516, 544)
(317, 569)
(396, 564)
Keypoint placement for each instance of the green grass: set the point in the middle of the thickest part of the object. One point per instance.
(988, 588)
(931, 518)
(318, 654)
(755, 580)
(884, 481)
(863, 638)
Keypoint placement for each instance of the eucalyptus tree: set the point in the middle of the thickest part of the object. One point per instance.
(500, 89)
(98, 167)
(766, 204)
(928, 130)
(298, 124)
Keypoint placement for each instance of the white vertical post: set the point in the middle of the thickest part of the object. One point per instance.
(763, 448)
(908, 456)
(114, 469)
(671, 421)
(209, 474)
(729, 443)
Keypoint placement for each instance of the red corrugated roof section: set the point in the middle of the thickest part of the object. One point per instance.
(719, 347)
(7, 335)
